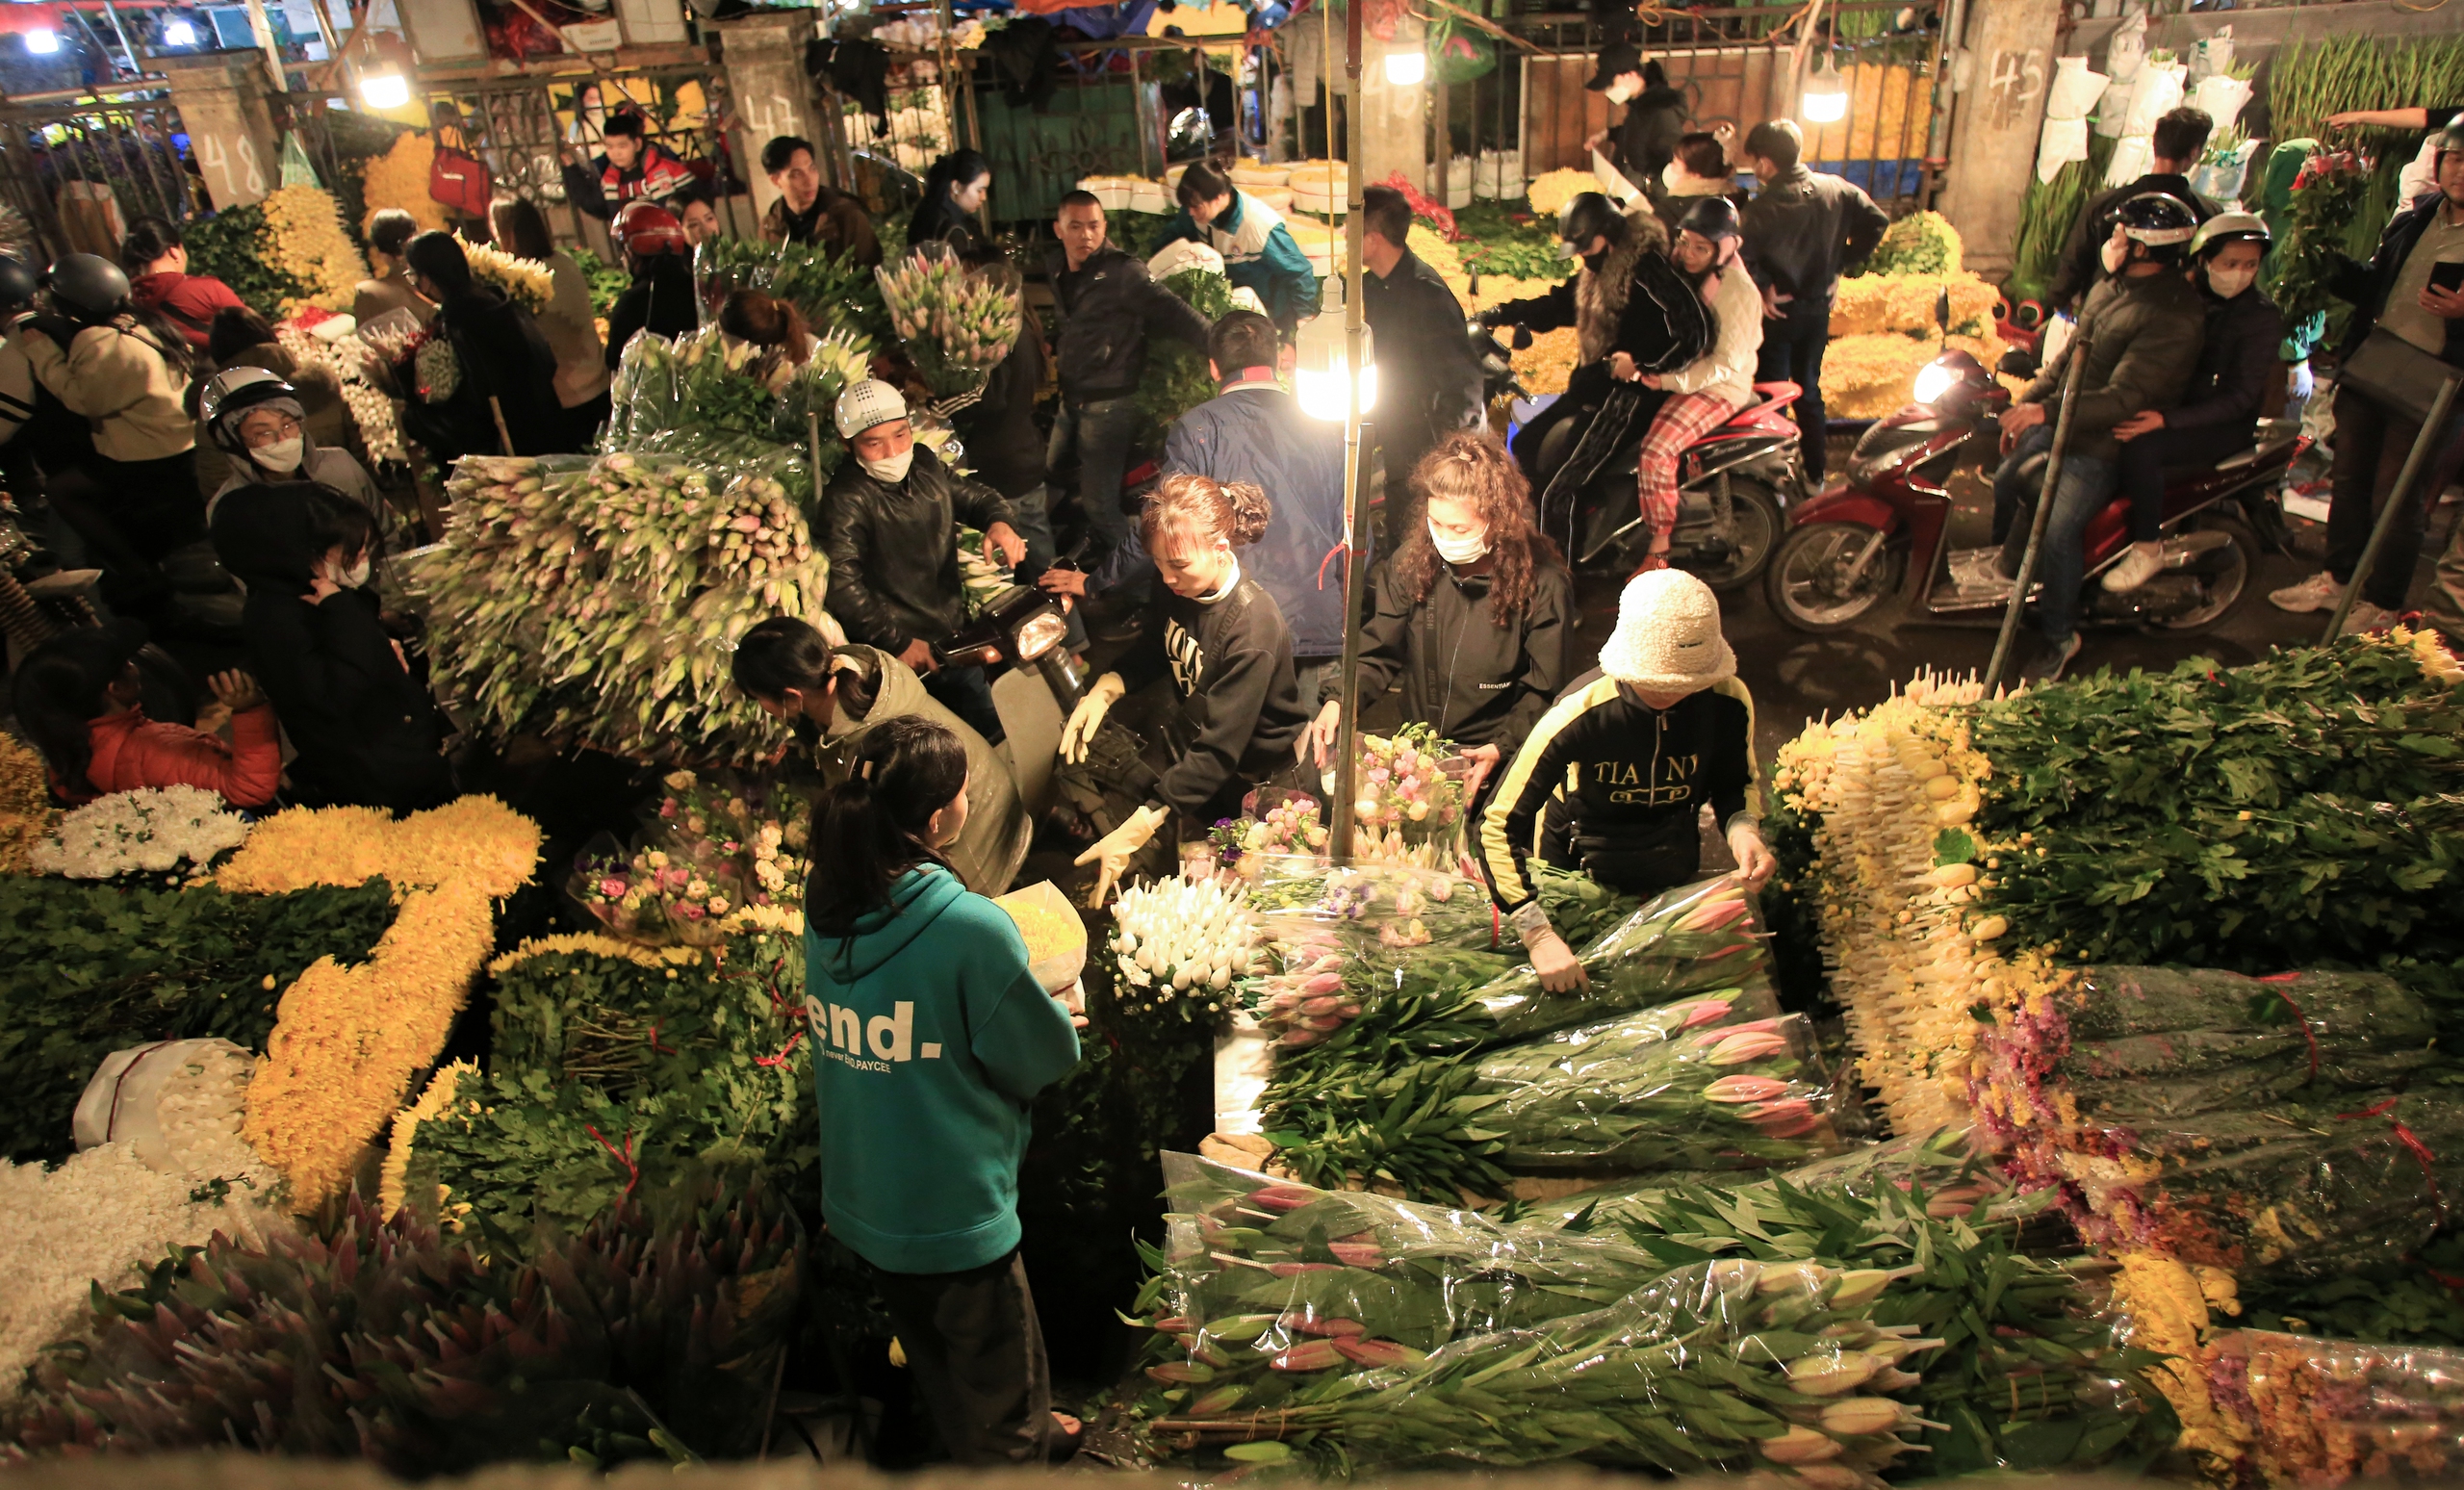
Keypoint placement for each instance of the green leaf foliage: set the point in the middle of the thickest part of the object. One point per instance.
(97, 968)
(232, 246)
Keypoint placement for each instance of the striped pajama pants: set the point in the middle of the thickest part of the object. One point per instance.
(1682, 421)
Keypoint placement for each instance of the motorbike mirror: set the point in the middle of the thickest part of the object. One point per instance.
(2017, 363)
(1522, 337)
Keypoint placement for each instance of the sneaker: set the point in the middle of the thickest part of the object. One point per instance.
(2319, 592)
(2056, 656)
(2137, 566)
(2367, 617)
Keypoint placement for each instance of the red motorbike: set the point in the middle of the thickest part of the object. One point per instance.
(1886, 528)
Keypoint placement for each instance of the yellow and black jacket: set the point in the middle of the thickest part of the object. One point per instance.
(1628, 781)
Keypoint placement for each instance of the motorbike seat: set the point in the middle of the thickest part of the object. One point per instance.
(2252, 453)
(1768, 395)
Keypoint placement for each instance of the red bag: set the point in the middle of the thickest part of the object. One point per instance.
(459, 181)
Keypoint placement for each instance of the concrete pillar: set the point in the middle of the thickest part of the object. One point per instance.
(2001, 77)
(764, 54)
(222, 99)
(1394, 121)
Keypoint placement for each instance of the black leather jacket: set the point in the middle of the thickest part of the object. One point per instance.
(1108, 307)
(892, 549)
(1804, 229)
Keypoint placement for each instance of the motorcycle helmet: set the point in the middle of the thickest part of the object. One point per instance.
(2451, 138)
(647, 229)
(18, 282)
(2159, 223)
(88, 287)
(1585, 215)
(2231, 227)
(229, 394)
(1710, 217)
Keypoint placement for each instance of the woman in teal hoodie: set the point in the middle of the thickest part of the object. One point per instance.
(929, 1040)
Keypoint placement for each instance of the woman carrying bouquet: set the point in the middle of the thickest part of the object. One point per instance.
(1230, 659)
(1471, 614)
(834, 696)
(932, 1037)
(496, 363)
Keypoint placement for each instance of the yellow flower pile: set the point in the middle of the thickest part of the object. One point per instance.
(527, 281)
(25, 806)
(348, 1043)
(1549, 193)
(2169, 1305)
(1871, 376)
(591, 944)
(306, 241)
(1867, 304)
(398, 178)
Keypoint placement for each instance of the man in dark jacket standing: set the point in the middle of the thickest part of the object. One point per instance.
(2144, 328)
(1645, 141)
(1108, 306)
(1428, 384)
(2180, 136)
(1803, 230)
(889, 530)
(812, 211)
(2413, 288)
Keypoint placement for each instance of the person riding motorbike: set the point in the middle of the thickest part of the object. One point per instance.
(2221, 413)
(2144, 328)
(1626, 300)
(1712, 386)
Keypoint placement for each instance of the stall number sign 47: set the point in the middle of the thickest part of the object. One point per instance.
(845, 1035)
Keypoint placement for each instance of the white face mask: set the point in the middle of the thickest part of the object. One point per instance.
(350, 578)
(2228, 283)
(1622, 91)
(280, 455)
(1455, 551)
(2114, 253)
(891, 469)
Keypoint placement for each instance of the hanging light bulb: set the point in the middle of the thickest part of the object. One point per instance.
(1826, 97)
(42, 42)
(385, 90)
(1321, 364)
(1403, 68)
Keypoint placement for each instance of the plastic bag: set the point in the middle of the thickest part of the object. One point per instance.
(2320, 1412)
(2074, 90)
(180, 1101)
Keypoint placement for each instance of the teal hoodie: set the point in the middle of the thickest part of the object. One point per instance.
(929, 1040)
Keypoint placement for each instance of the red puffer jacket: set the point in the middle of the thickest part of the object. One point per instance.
(132, 751)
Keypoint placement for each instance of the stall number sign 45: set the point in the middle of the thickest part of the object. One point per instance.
(845, 1035)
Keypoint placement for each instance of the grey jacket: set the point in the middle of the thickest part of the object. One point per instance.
(2144, 335)
(994, 843)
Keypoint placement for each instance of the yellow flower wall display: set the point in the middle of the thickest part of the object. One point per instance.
(25, 806)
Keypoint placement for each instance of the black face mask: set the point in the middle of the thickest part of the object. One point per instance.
(1593, 260)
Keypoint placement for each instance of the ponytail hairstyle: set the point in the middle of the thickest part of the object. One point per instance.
(60, 691)
(769, 323)
(1199, 509)
(870, 827)
(783, 653)
(1476, 471)
(955, 169)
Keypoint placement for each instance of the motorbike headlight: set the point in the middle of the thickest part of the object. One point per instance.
(1039, 634)
(1933, 380)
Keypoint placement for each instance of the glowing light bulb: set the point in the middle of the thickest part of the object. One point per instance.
(386, 90)
(1405, 69)
(42, 42)
(179, 33)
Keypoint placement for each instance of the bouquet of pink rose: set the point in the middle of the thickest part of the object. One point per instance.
(712, 849)
(1408, 793)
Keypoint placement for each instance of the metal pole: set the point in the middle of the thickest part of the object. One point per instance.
(1356, 447)
(2018, 602)
(2425, 445)
(502, 433)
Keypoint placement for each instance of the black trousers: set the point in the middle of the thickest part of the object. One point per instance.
(1792, 348)
(2371, 446)
(2139, 473)
(976, 1348)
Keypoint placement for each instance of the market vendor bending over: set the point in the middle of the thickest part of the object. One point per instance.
(833, 696)
(1259, 253)
(1632, 752)
(1230, 657)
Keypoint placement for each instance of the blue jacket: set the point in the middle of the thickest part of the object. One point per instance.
(1259, 253)
(929, 1040)
(1257, 433)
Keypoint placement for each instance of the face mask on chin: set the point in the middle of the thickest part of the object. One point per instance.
(891, 468)
(282, 455)
(2228, 283)
(1621, 91)
(1459, 552)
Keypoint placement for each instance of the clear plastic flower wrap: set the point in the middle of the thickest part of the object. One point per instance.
(2319, 1413)
(712, 845)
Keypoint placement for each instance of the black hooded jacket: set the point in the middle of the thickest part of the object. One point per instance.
(1479, 683)
(367, 732)
(502, 352)
(1645, 139)
(659, 300)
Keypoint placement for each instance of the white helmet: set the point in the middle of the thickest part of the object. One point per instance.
(867, 404)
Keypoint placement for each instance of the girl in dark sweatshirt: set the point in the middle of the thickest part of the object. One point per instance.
(1229, 655)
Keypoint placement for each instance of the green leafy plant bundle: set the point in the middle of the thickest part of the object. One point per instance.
(233, 245)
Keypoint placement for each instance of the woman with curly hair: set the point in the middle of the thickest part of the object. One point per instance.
(1473, 611)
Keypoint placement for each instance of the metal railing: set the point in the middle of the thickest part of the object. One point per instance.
(78, 170)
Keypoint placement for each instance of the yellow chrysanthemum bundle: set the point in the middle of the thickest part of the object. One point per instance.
(398, 178)
(526, 281)
(1868, 304)
(25, 806)
(1549, 193)
(477, 838)
(1873, 376)
(305, 239)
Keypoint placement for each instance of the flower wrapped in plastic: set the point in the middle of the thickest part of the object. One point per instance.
(957, 322)
(711, 848)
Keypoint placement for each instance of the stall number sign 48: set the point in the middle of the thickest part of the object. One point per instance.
(845, 1035)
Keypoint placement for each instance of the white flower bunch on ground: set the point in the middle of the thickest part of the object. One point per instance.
(1183, 941)
(146, 831)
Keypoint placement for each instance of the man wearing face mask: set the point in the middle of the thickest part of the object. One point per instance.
(1645, 141)
(889, 528)
(254, 417)
(2219, 415)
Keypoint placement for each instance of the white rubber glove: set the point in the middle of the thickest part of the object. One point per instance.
(1111, 853)
(1089, 717)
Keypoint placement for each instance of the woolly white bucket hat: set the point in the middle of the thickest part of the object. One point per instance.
(1668, 635)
